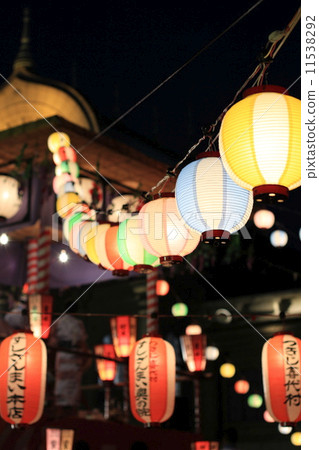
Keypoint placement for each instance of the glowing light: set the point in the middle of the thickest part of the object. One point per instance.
(227, 370)
(223, 315)
(162, 287)
(179, 310)
(63, 256)
(264, 219)
(267, 417)
(193, 329)
(295, 438)
(4, 239)
(279, 238)
(212, 353)
(255, 401)
(241, 386)
(284, 430)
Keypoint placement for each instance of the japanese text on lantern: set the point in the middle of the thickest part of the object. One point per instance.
(292, 373)
(16, 386)
(141, 379)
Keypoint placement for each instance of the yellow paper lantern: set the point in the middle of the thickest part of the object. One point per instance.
(66, 202)
(295, 438)
(227, 370)
(57, 140)
(260, 142)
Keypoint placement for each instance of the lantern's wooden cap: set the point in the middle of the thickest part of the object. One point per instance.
(143, 268)
(270, 193)
(169, 261)
(120, 273)
(215, 236)
(164, 194)
(264, 88)
(208, 155)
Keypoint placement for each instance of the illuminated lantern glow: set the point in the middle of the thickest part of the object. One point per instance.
(64, 154)
(212, 353)
(227, 370)
(10, 197)
(154, 359)
(295, 438)
(241, 387)
(40, 315)
(123, 207)
(107, 250)
(86, 236)
(223, 315)
(57, 439)
(284, 429)
(162, 287)
(57, 140)
(131, 248)
(106, 369)
(205, 445)
(179, 310)
(22, 398)
(209, 201)
(264, 219)
(123, 329)
(164, 231)
(278, 238)
(267, 417)
(69, 167)
(255, 400)
(61, 182)
(66, 202)
(80, 212)
(281, 364)
(90, 192)
(260, 142)
(193, 351)
(193, 329)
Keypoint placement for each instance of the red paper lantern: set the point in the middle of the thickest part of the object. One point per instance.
(123, 329)
(281, 369)
(194, 351)
(204, 445)
(241, 387)
(162, 287)
(40, 315)
(152, 380)
(106, 369)
(23, 369)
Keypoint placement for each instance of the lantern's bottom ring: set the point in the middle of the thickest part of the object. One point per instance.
(120, 273)
(270, 193)
(169, 261)
(288, 424)
(216, 237)
(143, 268)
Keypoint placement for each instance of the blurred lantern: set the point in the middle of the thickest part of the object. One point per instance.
(255, 400)
(57, 439)
(131, 248)
(193, 329)
(63, 183)
(209, 201)
(284, 429)
(57, 140)
(123, 207)
(90, 192)
(64, 154)
(40, 315)
(260, 142)
(66, 202)
(23, 368)
(108, 252)
(69, 167)
(106, 368)
(241, 387)
(123, 329)
(164, 231)
(279, 238)
(295, 438)
(205, 445)
(63, 256)
(193, 351)
(281, 370)
(212, 353)
(179, 310)
(4, 238)
(264, 219)
(162, 287)
(223, 315)
(86, 236)
(227, 370)
(79, 213)
(10, 197)
(152, 370)
(267, 417)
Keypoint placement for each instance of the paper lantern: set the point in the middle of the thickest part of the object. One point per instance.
(162, 287)
(255, 400)
(227, 370)
(281, 371)
(264, 219)
(40, 315)
(59, 439)
(193, 329)
(23, 368)
(68, 167)
(295, 438)
(79, 213)
(107, 250)
(164, 231)
(212, 353)
(106, 369)
(278, 238)
(260, 142)
(131, 247)
(152, 369)
(241, 386)
(90, 192)
(64, 154)
(123, 207)
(123, 329)
(179, 309)
(60, 182)
(209, 201)
(205, 445)
(86, 240)
(193, 351)
(63, 256)
(267, 417)
(66, 202)
(57, 140)
(284, 429)
(10, 197)
(4, 238)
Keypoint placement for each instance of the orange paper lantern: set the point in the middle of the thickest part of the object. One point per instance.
(40, 315)
(281, 370)
(162, 287)
(23, 369)
(241, 387)
(194, 351)
(204, 445)
(123, 329)
(152, 380)
(106, 369)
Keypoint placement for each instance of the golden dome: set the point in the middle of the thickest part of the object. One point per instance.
(30, 97)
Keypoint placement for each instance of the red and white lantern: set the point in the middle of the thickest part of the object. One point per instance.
(106, 368)
(281, 370)
(194, 351)
(152, 380)
(123, 329)
(23, 370)
(57, 439)
(40, 315)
